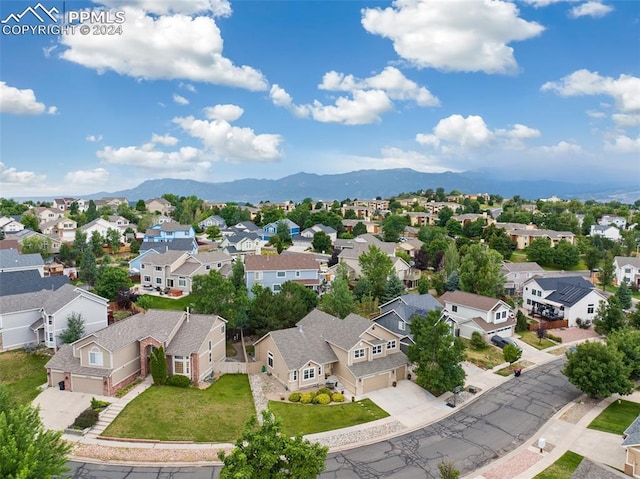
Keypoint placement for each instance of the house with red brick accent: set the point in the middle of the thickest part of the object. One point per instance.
(107, 360)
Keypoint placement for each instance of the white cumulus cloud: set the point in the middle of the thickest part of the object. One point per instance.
(21, 102)
(87, 177)
(220, 8)
(180, 100)
(453, 35)
(590, 9)
(166, 140)
(281, 98)
(625, 90)
(625, 120)
(562, 148)
(147, 158)
(466, 133)
(363, 108)
(165, 47)
(227, 142)
(12, 176)
(623, 144)
(94, 138)
(223, 112)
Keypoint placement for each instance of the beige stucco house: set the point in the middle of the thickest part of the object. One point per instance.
(363, 355)
(107, 360)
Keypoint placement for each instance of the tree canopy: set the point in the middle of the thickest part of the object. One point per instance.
(480, 271)
(376, 267)
(74, 329)
(110, 281)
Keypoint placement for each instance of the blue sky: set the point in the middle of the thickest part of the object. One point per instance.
(214, 91)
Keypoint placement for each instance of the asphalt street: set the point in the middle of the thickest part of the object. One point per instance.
(494, 424)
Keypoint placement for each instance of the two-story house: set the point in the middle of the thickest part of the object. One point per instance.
(62, 228)
(372, 228)
(10, 225)
(396, 315)
(524, 237)
(159, 205)
(22, 235)
(45, 214)
(328, 230)
(422, 218)
(168, 232)
(627, 269)
(241, 244)
(271, 271)
(610, 232)
(186, 245)
(39, 317)
(516, 274)
(562, 297)
(63, 204)
(272, 228)
(100, 225)
(468, 312)
(105, 361)
(617, 221)
(362, 355)
(176, 269)
(213, 220)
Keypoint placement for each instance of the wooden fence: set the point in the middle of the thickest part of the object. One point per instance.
(557, 324)
(235, 367)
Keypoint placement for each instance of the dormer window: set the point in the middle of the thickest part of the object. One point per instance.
(95, 357)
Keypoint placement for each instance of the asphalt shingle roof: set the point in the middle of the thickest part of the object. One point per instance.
(189, 337)
(483, 303)
(632, 434)
(63, 360)
(29, 281)
(376, 366)
(50, 301)
(284, 262)
(627, 260)
(10, 258)
(177, 244)
(522, 267)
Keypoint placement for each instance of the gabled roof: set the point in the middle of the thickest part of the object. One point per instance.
(343, 333)
(320, 227)
(211, 257)
(9, 244)
(248, 225)
(632, 434)
(522, 267)
(48, 300)
(174, 226)
(28, 281)
(413, 304)
(627, 260)
(97, 222)
(189, 337)
(385, 363)
(290, 224)
(280, 262)
(10, 258)
(176, 244)
(558, 282)
(476, 301)
(358, 248)
(163, 259)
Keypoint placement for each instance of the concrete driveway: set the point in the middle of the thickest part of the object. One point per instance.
(408, 403)
(58, 409)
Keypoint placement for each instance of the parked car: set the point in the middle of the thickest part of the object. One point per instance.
(502, 342)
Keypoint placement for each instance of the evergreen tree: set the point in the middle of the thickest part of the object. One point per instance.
(158, 366)
(88, 269)
(453, 281)
(393, 288)
(623, 293)
(521, 322)
(423, 285)
(96, 241)
(74, 329)
(237, 275)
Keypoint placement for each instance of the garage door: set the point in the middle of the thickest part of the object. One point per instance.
(401, 372)
(374, 383)
(85, 384)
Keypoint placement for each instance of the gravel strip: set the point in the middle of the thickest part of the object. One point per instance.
(514, 466)
(361, 435)
(145, 455)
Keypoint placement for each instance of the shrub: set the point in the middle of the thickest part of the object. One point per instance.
(306, 398)
(313, 394)
(128, 387)
(583, 323)
(322, 399)
(87, 418)
(179, 381)
(294, 397)
(554, 338)
(98, 405)
(337, 397)
(324, 391)
(477, 341)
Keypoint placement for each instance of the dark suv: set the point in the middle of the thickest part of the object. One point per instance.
(502, 342)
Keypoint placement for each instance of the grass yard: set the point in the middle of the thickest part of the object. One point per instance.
(23, 373)
(486, 358)
(165, 413)
(617, 417)
(563, 467)
(531, 338)
(509, 370)
(312, 418)
(179, 304)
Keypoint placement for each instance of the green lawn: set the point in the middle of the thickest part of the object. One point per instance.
(312, 418)
(23, 373)
(520, 256)
(216, 414)
(617, 417)
(531, 338)
(562, 468)
(179, 304)
(486, 358)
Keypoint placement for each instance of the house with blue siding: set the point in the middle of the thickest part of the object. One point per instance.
(272, 271)
(168, 232)
(272, 228)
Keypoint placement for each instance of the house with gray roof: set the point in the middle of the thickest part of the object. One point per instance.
(516, 274)
(188, 245)
(176, 269)
(562, 297)
(22, 235)
(363, 356)
(627, 269)
(610, 232)
(631, 443)
(39, 317)
(213, 220)
(12, 260)
(396, 315)
(242, 243)
(467, 313)
(328, 230)
(106, 360)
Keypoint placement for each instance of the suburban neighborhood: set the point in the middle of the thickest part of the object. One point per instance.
(345, 299)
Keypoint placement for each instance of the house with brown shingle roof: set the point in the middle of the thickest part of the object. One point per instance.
(468, 312)
(271, 271)
(107, 360)
(359, 354)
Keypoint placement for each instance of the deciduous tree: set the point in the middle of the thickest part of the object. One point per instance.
(607, 271)
(511, 353)
(627, 341)
(321, 242)
(480, 272)
(36, 244)
(540, 251)
(598, 370)
(111, 280)
(339, 301)
(565, 255)
(265, 452)
(609, 317)
(437, 354)
(27, 449)
(376, 267)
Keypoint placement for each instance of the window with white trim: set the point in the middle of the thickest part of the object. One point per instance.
(391, 344)
(257, 275)
(158, 268)
(169, 283)
(297, 274)
(454, 308)
(270, 359)
(590, 308)
(181, 365)
(147, 279)
(377, 349)
(358, 353)
(294, 375)
(281, 274)
(158, 280)
(401, 325)
(95, 357)
(308, 373)
(182, 282)
(276, 288)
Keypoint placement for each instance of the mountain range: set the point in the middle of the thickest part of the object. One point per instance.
(368, 184)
